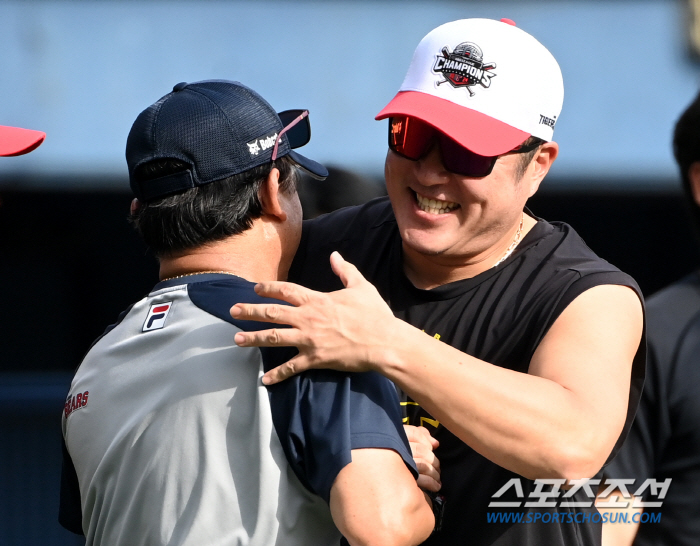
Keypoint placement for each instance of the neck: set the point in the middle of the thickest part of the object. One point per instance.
(252, 255)
(429, 271)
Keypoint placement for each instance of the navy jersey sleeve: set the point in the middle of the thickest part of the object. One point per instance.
(320, 415)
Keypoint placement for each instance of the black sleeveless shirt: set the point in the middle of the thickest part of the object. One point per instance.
(499, 316)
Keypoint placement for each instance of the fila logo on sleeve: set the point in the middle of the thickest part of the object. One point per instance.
(157, 314)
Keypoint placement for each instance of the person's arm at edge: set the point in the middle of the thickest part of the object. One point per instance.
(375, 501)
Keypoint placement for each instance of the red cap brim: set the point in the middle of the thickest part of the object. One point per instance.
(16, 141)
(475, 131)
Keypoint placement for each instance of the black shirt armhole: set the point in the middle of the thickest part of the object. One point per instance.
(638, 364)
(579, 286)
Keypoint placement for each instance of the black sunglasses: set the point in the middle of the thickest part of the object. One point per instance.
(296, 127)
(412, 138)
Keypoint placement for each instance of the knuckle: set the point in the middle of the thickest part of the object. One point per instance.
(273, 337)
(286, 290)
(272, 311)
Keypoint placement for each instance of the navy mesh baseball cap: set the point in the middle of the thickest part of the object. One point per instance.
(219, 128)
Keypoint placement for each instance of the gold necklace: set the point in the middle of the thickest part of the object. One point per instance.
(515, 242)
(197, 273)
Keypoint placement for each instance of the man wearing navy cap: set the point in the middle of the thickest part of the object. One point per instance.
(169, 435)
(516, 346)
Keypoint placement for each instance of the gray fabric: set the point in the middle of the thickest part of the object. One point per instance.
(176, 445)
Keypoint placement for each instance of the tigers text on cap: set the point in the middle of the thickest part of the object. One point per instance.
(219, 128)
(486, 84)
(16, 141)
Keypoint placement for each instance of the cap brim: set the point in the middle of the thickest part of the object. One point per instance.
(16, 141)
(314, 169)
(475, 131)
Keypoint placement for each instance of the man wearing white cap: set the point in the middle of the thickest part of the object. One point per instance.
(17, 141)
(517, 347)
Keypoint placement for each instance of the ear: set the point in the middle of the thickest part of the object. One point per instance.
(540, 165)
(135, 207)
(694, 177)
(270, 196)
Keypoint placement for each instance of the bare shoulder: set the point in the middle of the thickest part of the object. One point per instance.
(589, 352)
(604, 322)
(590, 348)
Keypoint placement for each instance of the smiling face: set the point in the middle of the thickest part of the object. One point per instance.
(457, 223)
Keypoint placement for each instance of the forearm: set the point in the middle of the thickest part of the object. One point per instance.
(375, 501)
(527, 424)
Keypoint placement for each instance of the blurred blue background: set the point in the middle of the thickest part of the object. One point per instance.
(83, 70)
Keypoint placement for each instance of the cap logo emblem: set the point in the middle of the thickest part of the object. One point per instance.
(263, 143)
(253, 147)
(464, 67)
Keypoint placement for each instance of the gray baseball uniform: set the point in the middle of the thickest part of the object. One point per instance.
(171, 438)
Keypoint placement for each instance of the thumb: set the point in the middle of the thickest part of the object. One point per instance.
(347, 272)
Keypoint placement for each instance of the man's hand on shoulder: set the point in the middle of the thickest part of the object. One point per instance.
(344, 330)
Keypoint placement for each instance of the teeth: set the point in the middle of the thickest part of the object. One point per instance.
(435, 206)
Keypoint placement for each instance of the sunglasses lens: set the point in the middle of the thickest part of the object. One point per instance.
(409, 137)
(300, 134)
(460, 160)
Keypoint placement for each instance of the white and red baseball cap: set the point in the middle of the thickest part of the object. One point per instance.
(487, 84)
(16, 141)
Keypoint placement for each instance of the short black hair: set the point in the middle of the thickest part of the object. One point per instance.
(526, 158)
(207, 213)
(686, 149)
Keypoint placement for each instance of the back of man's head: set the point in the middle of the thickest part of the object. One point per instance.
(686, 148)
(198, 157)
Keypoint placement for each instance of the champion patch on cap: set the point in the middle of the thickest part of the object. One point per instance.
(464, 67)
(156, 316)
